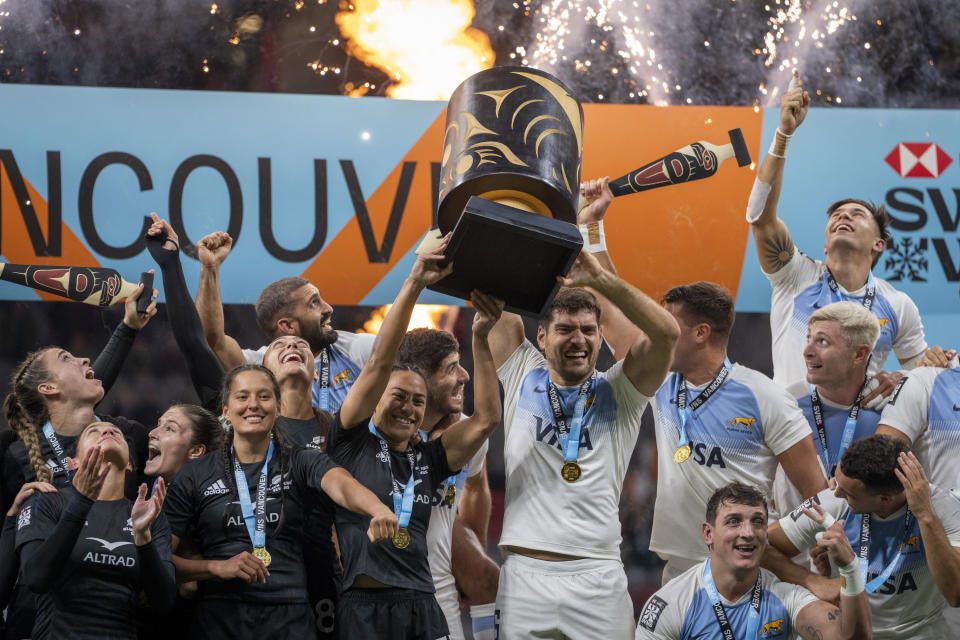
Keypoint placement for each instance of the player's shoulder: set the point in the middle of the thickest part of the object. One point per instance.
(751, 377)
(944, 503)
(347, 340)
(198, 470)
(669, 605)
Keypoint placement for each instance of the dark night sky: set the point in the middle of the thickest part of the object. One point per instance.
(905, 52)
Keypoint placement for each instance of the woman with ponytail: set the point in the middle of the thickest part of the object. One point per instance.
(244, 509)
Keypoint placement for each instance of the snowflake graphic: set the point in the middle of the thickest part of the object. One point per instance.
(905, 260)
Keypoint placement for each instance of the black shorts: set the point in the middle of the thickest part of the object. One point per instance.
(217, 619)
(390, 614)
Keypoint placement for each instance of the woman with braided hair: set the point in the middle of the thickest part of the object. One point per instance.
(244, 510)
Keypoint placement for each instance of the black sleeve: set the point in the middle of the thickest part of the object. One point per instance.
(9, 560)
(343, 441)
(206, 372)
(42, 560)
(108, 364)
(157, 572)
(309, 466)
(11, 476)
(179, 505)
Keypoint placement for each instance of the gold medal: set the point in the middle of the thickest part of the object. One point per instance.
(451, 494)
(681, 454)
(402, 539)
(262, 555)
(571, 471)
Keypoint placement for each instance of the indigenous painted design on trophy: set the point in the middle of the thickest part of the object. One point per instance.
(509, 184)
(98, 286)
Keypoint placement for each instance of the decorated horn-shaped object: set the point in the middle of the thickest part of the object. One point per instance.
(97, 286)
(509, 186)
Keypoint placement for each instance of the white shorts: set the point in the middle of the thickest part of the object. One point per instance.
(952, 616)
(674, 567)
(450, 605)
(570, 599)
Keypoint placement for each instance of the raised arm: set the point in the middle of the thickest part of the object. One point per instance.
(648, 358)
(363, 396)
(505, 337)
(942, 558)
(770, 234)
(110, 361)
(212, 251)
(463, 439)
(618, 331)
(204, 367)
(344, 489)
(852, 620)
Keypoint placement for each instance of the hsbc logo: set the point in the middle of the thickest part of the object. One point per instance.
(918, 160)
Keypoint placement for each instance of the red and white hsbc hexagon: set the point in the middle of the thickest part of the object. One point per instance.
(918, 159)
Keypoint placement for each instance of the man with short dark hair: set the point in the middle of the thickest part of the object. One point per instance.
(717, 422)
(856, 236)
(289, 306)
(569, 435)
(457, 535)
(906, 532)
(728, 595)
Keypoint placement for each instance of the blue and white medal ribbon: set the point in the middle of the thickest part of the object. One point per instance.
(830, 462)
(753, 616)
(325, 379)
(570, 437)
(834, 295)
(61, 455)
(402, 501)
(874, 584)
(684, 411)
(256, 522)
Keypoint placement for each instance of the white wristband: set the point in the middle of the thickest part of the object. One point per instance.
(594, 239)
(853, 584)
(779, 144)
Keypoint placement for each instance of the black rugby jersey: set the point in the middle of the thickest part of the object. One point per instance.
(95, 594)
(202, 505)
(17, 470)
(359, 451)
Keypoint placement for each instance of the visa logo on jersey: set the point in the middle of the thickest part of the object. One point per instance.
(918, 160)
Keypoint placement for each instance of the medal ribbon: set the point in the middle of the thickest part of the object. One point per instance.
(58, 451)
(848, 428)
(325, 379)
(834, 289)
(753, 616)
(402, 501)
(684, 411)
(570, 438)
(458, 479)
(874, 584)
(256, 524)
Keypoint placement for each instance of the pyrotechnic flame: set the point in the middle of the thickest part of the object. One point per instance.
(427, 47)
(429, 316)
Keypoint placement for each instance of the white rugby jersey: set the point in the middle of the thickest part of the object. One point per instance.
(926, 408)
(347, 357)
(736, 435)
(908, 604)
(542, 510)
(682, 609)
(441, 520)
(799, 288)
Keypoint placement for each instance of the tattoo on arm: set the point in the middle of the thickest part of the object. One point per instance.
(777, 251)
(833, 615)
(811, 633)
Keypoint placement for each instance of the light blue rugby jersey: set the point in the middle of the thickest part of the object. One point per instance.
(926, 408)
(672, 613)
(343, 373)
(736, 435)
(907, 604)
(834, 420)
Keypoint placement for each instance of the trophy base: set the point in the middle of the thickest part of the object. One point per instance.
(509, 254)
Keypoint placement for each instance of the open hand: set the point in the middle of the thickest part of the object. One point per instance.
(427, 270)
(26, 491)
(91, 472)
(488, 312)
(145, 511)
(586, 270)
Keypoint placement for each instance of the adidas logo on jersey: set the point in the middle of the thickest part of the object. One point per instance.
(216, 489)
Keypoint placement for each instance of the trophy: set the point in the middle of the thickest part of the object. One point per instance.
(509, 185)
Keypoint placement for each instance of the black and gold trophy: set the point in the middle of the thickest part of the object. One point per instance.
(509, 185)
